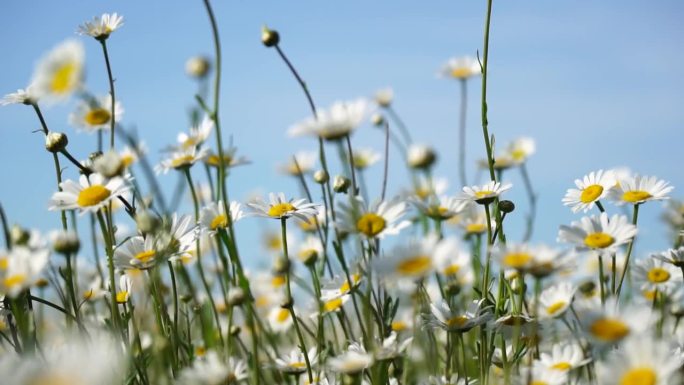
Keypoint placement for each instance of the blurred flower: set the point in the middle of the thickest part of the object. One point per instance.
(377, 220)
(60, 72)
(486, 193)
(563, 358)
(443, 316)
(420, 156)
(641, 360)
(196, 136)
(22, 96)
(95, 113)
(197, 67)
(352, 361)
(461, 68)
(555, 300)
(384, 97)
(21, 268)
(295, 362)
(412, 261)
(181, 159)
(364, 158)
(213, 370)
(334, 123)
(652, 274)
(213, 216)
(305, 162)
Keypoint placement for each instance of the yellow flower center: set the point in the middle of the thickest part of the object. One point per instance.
(92, 195)
(308, 226)
(556, 307)
(422, 192)
(649, 294)
(591, 193)
(609, 329)
(345, 286)
(191, 141)
(182, 161)
(4, 263)
(360, 162)
(145, 256)
(14, 280)
(121, 296)
(483, 193)
(474, 228)
(438, 212)
(283, 315)
(200, 351)
(371, 224)
(398, 326)
(451, 269)
(639, 376)
(127, 160)
(658, 275)
(461, 72)
(563, 366)
(332, 305)
(598, 240)
(539, 382)
(635, 196)
(517, 260)
(518, 155)
(278, 280)
(298, 365)
(220, 221)
(63, 78)
(97, 116)
(215, 160)
(457, 321)
(280, 209)
(415, 265)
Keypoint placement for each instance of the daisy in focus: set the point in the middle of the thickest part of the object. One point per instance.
(335, 122)
(651, 274)
(101, 27)
(95, 114)
(181, 159)
(377, 220)
(590, 190)
(90, 194)
(598, 233)
(639, 189)
(281, 208)
(484, 194)
(213, 216)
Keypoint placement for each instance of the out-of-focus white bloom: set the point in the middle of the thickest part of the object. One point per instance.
(563, 358)
(279, 319)
(96, 114)
(554, 301)
(610, 324)
(213, 216)
(353, 361)
(196, 136)
(651, 274)
(641, 360)
(212, 370)
(22, 96)
(295, 362)
(365, 157)
(447, 318)
(60, 72)
(384, 97)
(461, 68)
(377, 220)
(21, 268)
(181, 159)
(420, 156)
(305, 162)
(334, 123)
(411, 262)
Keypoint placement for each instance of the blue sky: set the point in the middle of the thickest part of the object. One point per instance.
(597, 84)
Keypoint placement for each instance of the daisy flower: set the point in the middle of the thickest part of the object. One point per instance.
(96, 113)
(641, 360)
(305, 162)
(197, 135)
(441, 208)
(412, 261)
(90, 194)
(125, 287)
(20, 269)
(22, 96)
(352, 361)
(364, 158)
(598, 233)
(445, 317)
(521, 149)
(213, 370)
(181, 159)
(563, 358)
(281, 208)
(674, 257)
(484, 194)
(60, 72)
(180, 239)
(384, 97)
(651, 274)
(593, 187)
(541, 375)
(334, 123)
(391, 348)
(473, 220)
(538, 260)
(280, 319)
(420, 156)
(452, 261)
(213, 216)
(609, 324)
(309, 250)
(374, 221)
(333, 303)
(101, 27)
(461, 68)
(554, 301)
(295, 362)
(424, 188)
(340, 286)
(130, 155)
(137, 253)
(229, 159)
(639, 189)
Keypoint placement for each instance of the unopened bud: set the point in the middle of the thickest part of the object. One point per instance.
(19, 235)
(56, 141)
(377, 119)
(421, 156)
(65, 242)
(269, 37)
(308, 257)
(321, 176)
(384, 97)
(341, 184)
(281, 266)
(236, 297)
(197, 67)
(235, 330)
(109, 164)
(287, 303)
(506, 206)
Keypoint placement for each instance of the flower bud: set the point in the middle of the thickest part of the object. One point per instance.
(377, 119)
(269, 37)
(235, 330)
(341, 184)
(384, 97)
(65, 242)
(308, 257)
(281, 266)
(56, 142)
(321, 176)
(421, 156)
(287, 303)
(236, 297)
(147, 222)
(109, 164)
(197, 67)
(19, 235)
(42, 282)
(506, 206)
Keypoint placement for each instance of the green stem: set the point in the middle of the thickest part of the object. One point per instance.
(462, 133)
(112, 119)
(635, 218)
(485, 123)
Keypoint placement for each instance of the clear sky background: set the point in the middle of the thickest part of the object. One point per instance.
(598, 84)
